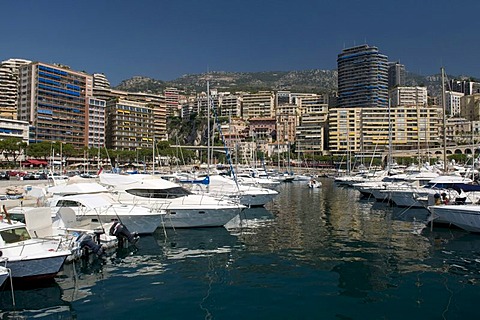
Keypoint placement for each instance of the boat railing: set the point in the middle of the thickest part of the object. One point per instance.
(23, 244)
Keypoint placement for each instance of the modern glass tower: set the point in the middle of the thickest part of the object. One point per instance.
(362, 77)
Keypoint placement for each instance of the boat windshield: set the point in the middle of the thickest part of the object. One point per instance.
(14, 235)
(68, 203)
(169, 193)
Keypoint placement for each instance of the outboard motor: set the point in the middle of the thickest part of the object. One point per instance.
(88, 244)
(121, 232)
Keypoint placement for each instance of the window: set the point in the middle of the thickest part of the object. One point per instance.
(14, 235)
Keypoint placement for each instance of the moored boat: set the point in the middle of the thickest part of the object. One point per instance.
(30, 258)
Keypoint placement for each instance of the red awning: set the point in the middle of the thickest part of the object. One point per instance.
(35, 162)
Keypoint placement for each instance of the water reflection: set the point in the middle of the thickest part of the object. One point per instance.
(309, 250)
(40, 302)
(455, 251)
(193, 243)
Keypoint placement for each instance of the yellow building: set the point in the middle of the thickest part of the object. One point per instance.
(368, 129)
(260, 104)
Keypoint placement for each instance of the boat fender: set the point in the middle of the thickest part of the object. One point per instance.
(86, 241)
(121, 232)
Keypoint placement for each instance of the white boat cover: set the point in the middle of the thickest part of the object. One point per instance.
(77, 188)
(91, 201)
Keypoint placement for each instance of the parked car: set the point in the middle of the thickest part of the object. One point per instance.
(4, 175)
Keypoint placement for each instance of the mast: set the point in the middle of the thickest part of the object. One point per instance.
(418, 129)
(389, 156)
(153, 165)
(445, 167)
(208, 128)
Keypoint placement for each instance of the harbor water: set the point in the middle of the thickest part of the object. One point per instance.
(319, 253)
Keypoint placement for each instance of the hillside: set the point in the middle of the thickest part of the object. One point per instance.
(317, 81)
(298, 81)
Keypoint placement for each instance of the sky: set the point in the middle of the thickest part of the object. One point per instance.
(165, 39)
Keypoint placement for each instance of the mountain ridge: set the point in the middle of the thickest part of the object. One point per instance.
(311, 81)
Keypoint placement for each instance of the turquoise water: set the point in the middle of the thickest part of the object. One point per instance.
(312, 254)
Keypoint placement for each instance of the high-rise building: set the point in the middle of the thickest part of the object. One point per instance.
(396, 75)
(96, 123)
(54, 99)
(172, 96)
(130, 125)
(362, 77)
(9, 87)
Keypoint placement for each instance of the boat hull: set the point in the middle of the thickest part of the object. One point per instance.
(466, 217)
(135, 223)
(37, 267)
(195, 218)
(3, 275)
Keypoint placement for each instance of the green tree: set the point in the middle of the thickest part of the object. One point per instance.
(12, 147)
(40, 150)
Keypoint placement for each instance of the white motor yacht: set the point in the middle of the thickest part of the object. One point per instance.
(184, 209)
(30, 258)
(220, 186)
(103, 208)
(464, 216)
(81, 237)
(416, 196)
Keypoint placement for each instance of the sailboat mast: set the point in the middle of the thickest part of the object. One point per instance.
(389, 156)
(153, 153)
(445, 167)
(208, 128)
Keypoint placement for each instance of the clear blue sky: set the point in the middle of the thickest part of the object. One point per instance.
(164, 39)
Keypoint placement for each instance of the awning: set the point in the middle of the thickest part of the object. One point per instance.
(35, 162)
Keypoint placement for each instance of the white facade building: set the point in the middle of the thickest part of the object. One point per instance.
(452, 103)
(408, 96)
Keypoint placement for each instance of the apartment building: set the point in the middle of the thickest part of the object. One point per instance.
(156, 102)
(130, 125)
(172, 98)
(260, 104)
(9, 81)
(312, 123)
(408, 96)
(368, 130)
(467, 87)
(96, 122)
(10, 128)
(100, 81)
(229, 105)
(452, 103)
(470, 107)
(54, 99)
